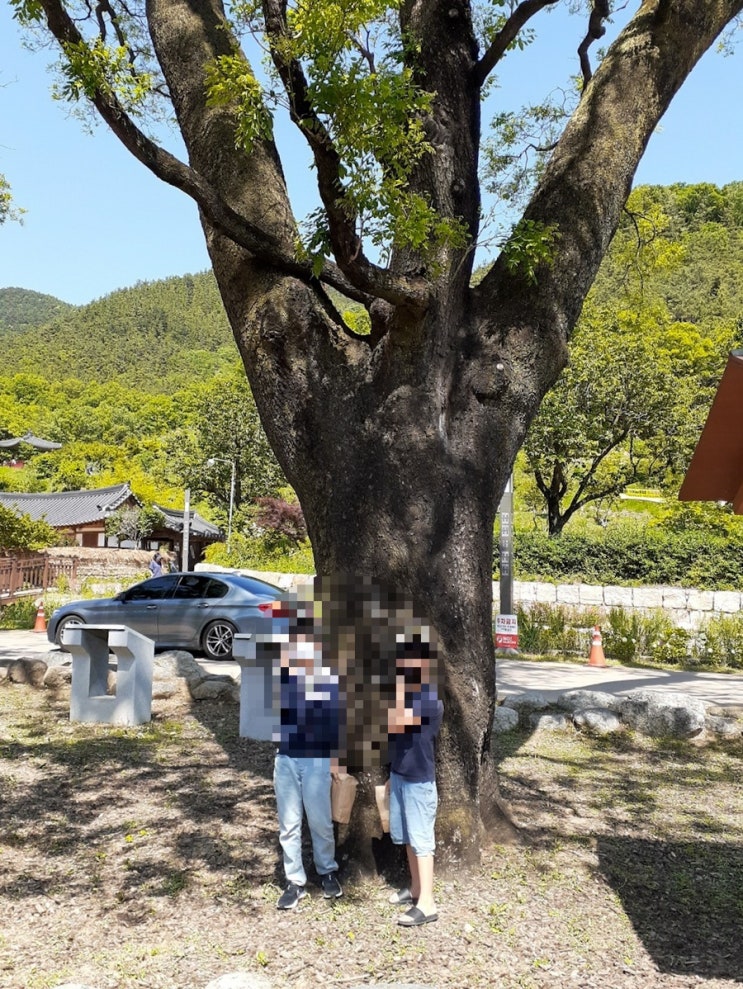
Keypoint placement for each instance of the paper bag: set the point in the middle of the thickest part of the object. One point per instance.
(382, 793)
(342, 796)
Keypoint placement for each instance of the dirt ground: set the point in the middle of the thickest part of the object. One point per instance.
(148, 857)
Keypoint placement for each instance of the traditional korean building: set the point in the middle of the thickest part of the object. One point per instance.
(82, 515)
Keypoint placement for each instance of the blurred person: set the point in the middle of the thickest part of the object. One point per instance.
(413, 724)
(306, 760)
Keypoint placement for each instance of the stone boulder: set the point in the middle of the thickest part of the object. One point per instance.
(58, 676)
(597, 721)
(663, 713)
(581, 700)
(724, 727)
(549, 722)
(505, 719)
(526, 704)
(30, 671)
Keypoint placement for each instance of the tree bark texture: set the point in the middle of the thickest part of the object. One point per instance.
(399, 445)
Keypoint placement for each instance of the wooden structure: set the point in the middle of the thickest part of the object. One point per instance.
(716, 469)
(31, 575)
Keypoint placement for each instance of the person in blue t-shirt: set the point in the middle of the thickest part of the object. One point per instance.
(413, 724)
(306, 757)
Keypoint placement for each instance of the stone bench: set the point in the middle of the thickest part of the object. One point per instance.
(259, 709)
(89, 647)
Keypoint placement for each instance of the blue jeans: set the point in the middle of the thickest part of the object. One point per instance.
(304, 783)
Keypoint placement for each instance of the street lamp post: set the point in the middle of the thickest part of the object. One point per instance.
(222, 460)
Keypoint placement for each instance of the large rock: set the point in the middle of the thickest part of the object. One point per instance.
(725, 727)
(58, 676)
(597, 721)
(581, 700)
(532, 700)
(29, 671)
(505, 719)
(549, 722)
(663, 713)
(213, 688)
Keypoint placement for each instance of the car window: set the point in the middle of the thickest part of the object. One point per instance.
(193, 586)
(215, 589)
(152, 590)
(259, 588)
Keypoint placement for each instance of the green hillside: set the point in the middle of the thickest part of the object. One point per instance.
(155, 336)
(21, 309)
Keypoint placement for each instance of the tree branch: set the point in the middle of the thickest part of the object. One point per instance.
(596, 30)
(507, 35)
(247, 235)
(342, 219)
(589, 175)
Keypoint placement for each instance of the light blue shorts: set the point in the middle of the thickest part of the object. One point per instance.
(413, 814)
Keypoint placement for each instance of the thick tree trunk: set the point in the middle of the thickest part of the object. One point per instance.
(397, 482)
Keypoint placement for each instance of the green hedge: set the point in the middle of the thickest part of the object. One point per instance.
(623, 555)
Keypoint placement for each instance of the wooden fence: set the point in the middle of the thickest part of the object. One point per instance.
(23, 576)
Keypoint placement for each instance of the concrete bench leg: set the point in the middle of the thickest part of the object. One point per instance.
(89, 647)
(259, 708)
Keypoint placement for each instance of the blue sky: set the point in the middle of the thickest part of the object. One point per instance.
(96, 220)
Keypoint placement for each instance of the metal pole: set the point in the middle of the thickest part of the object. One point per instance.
(232, 505)
(186, 531)
(506, 549)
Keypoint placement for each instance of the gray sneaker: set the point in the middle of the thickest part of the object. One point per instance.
(291, 896)
(331, 888)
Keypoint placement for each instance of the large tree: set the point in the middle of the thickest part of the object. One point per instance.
(398, 442)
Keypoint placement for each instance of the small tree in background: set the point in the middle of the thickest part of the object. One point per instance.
(21, 533)
(134, 524)
(279, 522)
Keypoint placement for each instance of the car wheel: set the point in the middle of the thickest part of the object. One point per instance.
(217, 640)
(66, 622)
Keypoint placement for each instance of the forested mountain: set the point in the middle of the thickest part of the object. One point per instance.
(21, 309)
(682, 246)
(156, 336)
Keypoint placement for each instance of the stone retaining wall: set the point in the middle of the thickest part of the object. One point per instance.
(688, 607)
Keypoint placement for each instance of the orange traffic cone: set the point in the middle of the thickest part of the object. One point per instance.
(596, 655)
(40, 623)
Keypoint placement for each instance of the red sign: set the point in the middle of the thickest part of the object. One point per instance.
(506, 632)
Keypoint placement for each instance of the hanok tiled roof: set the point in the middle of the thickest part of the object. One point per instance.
(69, 508)
(198, 526)
(30, 440)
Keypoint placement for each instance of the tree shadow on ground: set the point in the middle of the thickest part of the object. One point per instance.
(663, 819)
(104, 796)
(684, 901)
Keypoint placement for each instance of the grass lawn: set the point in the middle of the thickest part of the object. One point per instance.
(147, 857)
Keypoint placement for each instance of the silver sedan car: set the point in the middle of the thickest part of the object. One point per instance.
(196, 611)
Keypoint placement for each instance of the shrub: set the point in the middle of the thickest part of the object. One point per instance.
(280, 523)
(19, 614)
(257, 553)
(630, 554)
(720, 642)
(546, 628)
(628, 636)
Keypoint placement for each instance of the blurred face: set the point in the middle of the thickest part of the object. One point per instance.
(301, 655)
(415, 670)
